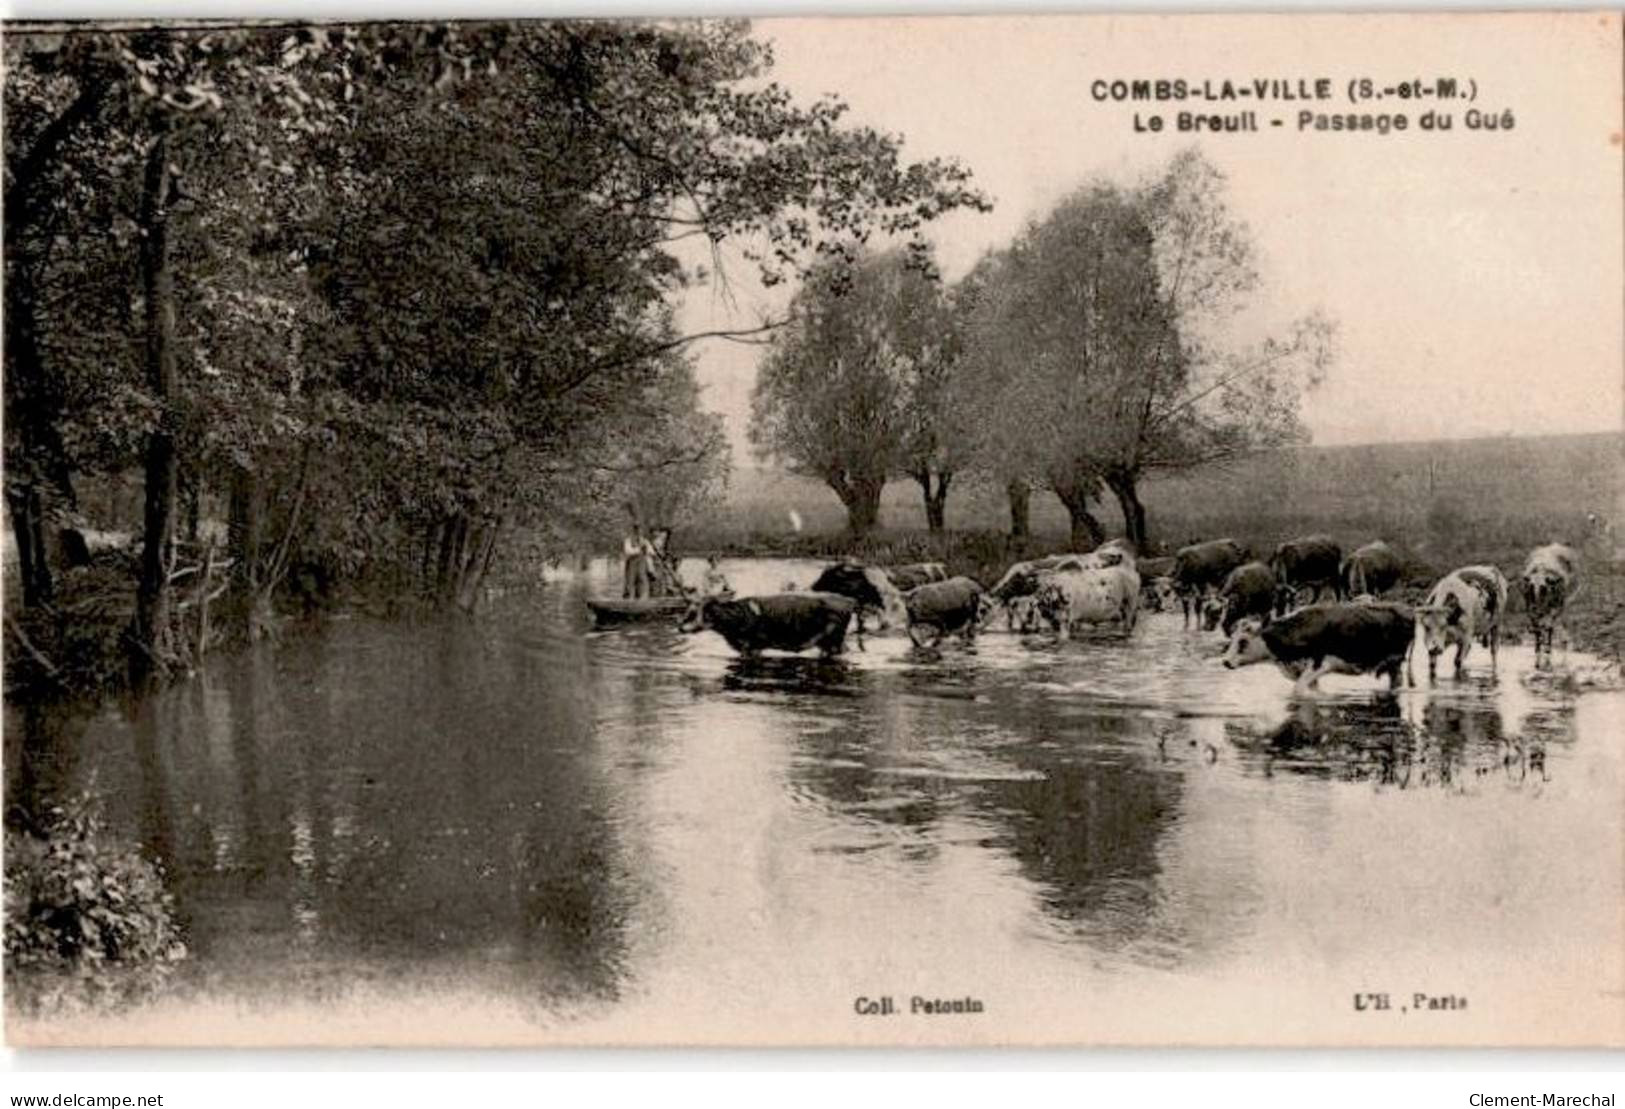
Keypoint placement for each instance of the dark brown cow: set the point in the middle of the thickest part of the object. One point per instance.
(1201, 568)
(1249, 590)
(942, 608)
(1373, 569)
(1330, 639)
(1309, 563)
(777, 622)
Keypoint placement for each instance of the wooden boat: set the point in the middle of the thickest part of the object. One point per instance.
(609, 611)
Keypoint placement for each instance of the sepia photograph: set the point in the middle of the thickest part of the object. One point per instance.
(955, 531)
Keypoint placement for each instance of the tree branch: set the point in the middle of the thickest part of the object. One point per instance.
(734, 335)
(1262, 364)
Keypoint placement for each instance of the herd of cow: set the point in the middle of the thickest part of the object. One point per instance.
(1267, 609)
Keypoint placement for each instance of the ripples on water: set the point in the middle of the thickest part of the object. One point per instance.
(570, 818)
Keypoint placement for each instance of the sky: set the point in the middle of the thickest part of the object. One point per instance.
(1475, 275)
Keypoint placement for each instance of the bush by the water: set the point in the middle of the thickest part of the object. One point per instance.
(88, 922)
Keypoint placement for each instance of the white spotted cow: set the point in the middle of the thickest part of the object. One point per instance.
(1465, 606)
(1068, 599)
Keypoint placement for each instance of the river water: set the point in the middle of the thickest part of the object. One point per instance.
(515, 829)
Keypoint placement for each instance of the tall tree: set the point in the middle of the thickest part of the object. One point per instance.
(1107, 339)
(928, 327)
(1028, 372)
(1186, 393)
(855, 389)
(827, 399)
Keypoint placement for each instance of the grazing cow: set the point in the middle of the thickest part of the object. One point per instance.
(776, 622)
(870, 587)
(1249, 590)
(1201, 568)
(941, 608)
(1373, 569)
(1465, 605)
(1311, 563)
(1329, 639)
(1549, 582)
(1105, 595)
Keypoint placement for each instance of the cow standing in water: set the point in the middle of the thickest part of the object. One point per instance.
(1549, 581)
(1200, 570)
(778, 622)
(869, 586)
(1366, 638)
(1465, 606)
(1371, 570)
(1249, 590)
(1311, 563)
(1069, 598)
(937, 609)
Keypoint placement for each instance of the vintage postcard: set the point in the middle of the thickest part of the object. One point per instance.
(1064, 530)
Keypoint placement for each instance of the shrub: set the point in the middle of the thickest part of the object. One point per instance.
(88, 923)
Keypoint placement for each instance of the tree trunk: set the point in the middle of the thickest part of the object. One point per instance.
(244, 527)
(1124, 487)
(936, 499)
(192, 500)
(861, 495)
(454, 557)
(1087, 534)
(36, 458)
(479, 554)
(1021, 495)
(431, 542)
(247, 610)
(28, 528)
(151, 647)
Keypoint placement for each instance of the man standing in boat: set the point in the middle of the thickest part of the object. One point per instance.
(657, 556)
(635, 551)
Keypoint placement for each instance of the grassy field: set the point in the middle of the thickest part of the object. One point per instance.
(1442, 504)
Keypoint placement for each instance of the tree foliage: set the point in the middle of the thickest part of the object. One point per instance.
(855, 388)
(389, 290)
(1101, 352)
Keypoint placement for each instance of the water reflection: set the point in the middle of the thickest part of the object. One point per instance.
(1444, 740)
(802, 676)
(569, 817)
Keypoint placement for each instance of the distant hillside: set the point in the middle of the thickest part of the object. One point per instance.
(1406, 491)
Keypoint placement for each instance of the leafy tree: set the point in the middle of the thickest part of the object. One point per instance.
(854, 389)
(393, 287)
(1030, 365)
(930, 324)
(554, 329)
(1208, 400)
(1101, 355)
